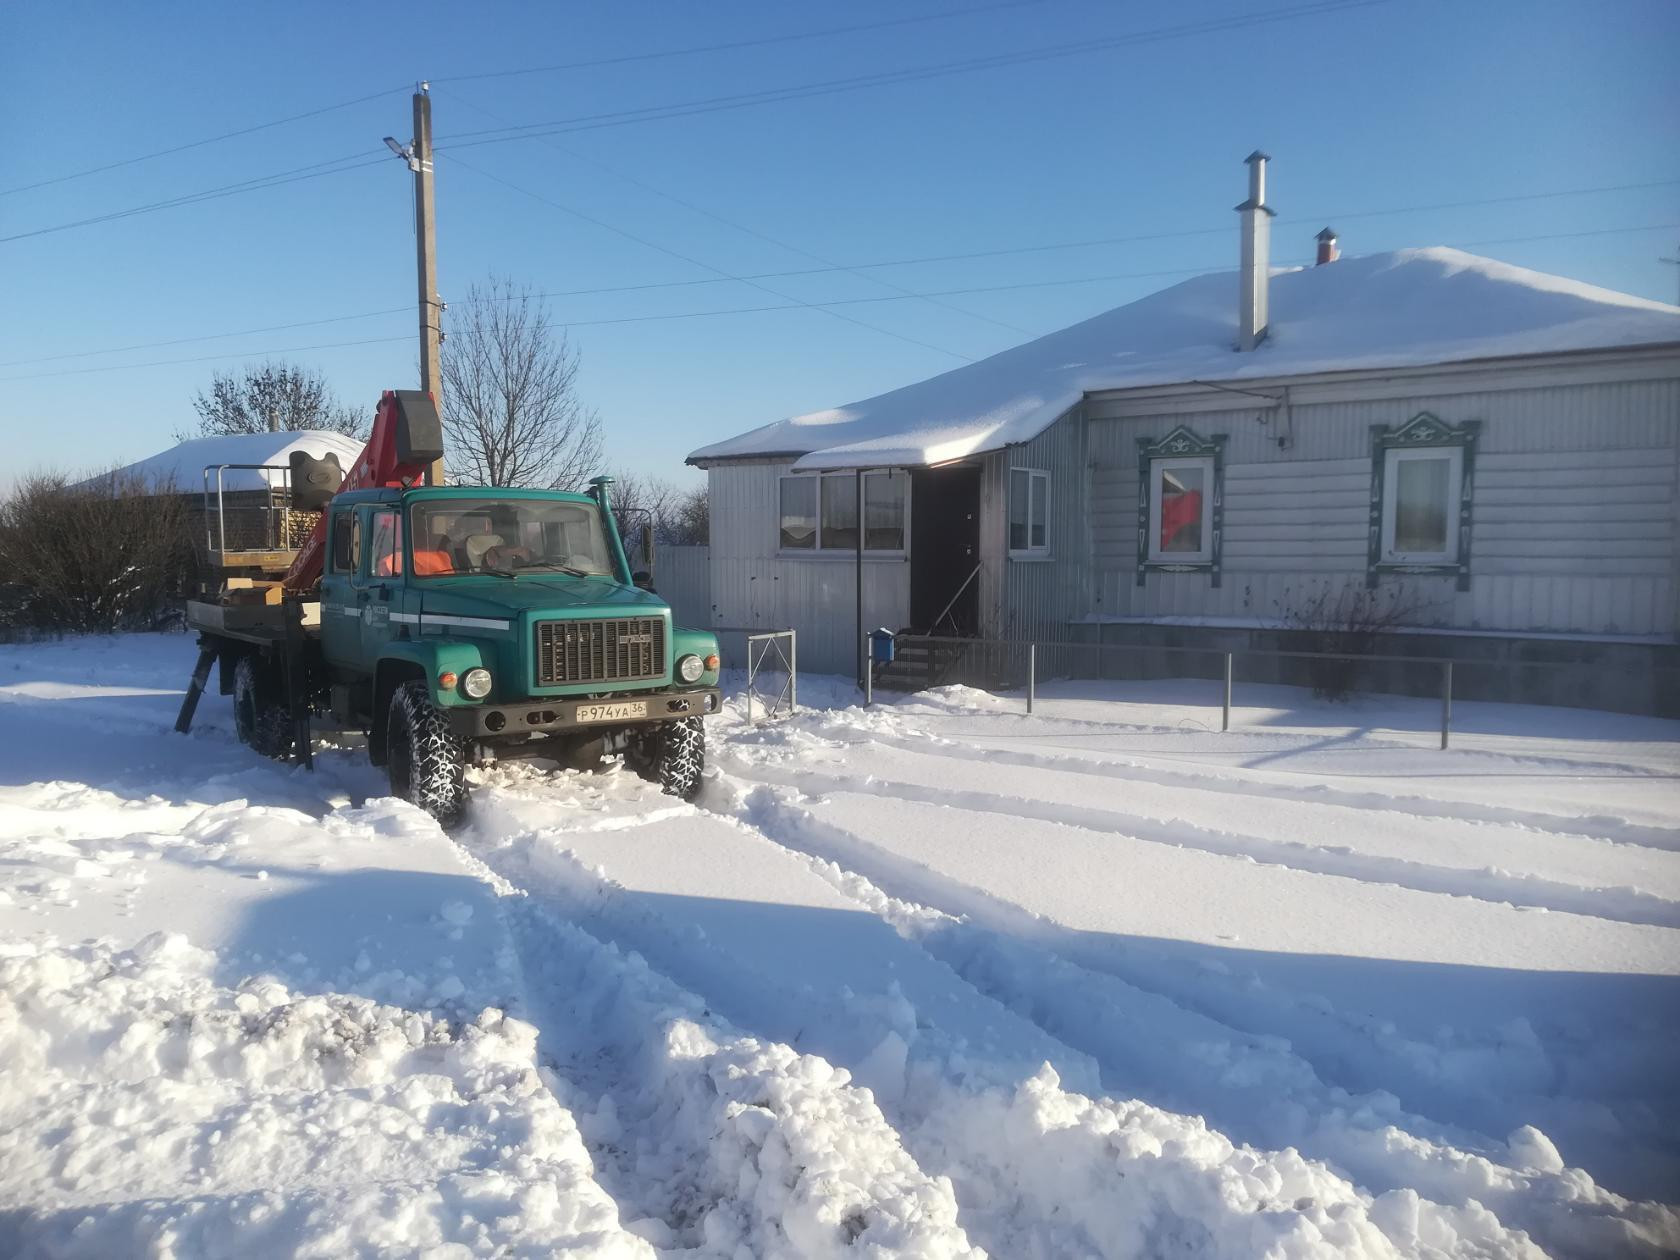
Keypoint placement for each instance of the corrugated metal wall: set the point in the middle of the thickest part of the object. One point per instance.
(683, 576)
(1575, 506)
(754, 586)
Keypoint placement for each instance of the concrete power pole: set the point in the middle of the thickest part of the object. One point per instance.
(425, 245)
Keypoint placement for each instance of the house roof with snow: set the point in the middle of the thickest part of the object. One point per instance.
(182, 465)
(1408, 308)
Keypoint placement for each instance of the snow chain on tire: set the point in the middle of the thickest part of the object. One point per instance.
(259, 719)
(681, 756)
(427, 761)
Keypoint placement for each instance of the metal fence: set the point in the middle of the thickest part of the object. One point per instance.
(772, 661)
(1001, 664)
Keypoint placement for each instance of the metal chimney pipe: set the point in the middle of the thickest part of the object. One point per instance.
(1327, 248)
(1254, 275)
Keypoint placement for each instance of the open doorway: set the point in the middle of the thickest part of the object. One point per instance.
(944, 550)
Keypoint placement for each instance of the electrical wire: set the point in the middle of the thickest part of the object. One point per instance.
(665, 249)
(734, 45)
(683, 109)
(198, 144)
(827, 263)
(258, 184)
(207, 358)
(750, 310)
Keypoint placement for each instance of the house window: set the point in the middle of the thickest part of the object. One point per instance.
(1181, 510)
(1421, 479)
(1420, 503)
(1029, 512)
(799, 513)
(839, 514)
(820, 512)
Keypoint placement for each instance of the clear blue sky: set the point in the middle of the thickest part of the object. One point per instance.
(1399, 104)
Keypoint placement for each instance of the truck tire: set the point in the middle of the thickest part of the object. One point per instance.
(673, 756)
(426, 761)
(259, 718)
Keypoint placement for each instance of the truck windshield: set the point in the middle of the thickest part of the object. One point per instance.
(508, 536)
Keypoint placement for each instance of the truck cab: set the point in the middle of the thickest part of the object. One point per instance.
(465, 624)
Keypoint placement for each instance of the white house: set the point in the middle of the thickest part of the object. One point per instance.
(1504, 442)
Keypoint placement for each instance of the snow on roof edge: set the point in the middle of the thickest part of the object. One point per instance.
(1406, 308)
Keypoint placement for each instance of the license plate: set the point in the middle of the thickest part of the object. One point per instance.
(612, 712)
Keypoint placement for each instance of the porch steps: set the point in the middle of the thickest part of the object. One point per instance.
(919, 665)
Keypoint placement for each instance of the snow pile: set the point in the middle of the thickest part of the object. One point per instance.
(1410, 307)
(149, 1108)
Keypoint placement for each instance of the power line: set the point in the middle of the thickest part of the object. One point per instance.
(681, 109)
(670, 284)
(734, 45)
(181, 341)
(197, 144)
(207, 358)
(664, 249)
(750, 231)
(258, 184)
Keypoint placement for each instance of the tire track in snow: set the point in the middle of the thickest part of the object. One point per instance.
(713, 1143)
(1594, 827)
(1625, 905)
(1255, 1084)
(1039, 1170)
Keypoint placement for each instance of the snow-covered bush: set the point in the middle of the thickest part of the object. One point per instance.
(107, 554)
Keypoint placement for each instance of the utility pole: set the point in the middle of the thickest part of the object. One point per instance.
(425, 246)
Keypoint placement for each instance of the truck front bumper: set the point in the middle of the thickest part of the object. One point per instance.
(493, 721)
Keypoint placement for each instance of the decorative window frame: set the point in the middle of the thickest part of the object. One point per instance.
(1182, 443)
(1421, 432)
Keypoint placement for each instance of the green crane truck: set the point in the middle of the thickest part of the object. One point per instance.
(455, 625)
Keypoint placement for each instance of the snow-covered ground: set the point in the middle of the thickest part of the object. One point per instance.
(932, 979)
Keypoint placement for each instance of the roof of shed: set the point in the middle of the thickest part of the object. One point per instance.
(1413, 307)
(182, 465)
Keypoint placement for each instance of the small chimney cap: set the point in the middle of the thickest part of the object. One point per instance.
(1258, 156)
(1328, 234)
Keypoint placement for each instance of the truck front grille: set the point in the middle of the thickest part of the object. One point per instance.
(624, 649)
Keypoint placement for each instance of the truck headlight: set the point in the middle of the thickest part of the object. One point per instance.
(689, 668)
(476, 683)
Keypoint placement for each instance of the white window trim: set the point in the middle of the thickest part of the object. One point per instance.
(1158, 465)
(820, 552)
(1035, 476)
(1391, 502)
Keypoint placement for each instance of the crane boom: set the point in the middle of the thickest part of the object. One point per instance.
(407, 436)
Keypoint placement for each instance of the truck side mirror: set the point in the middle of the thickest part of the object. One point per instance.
(647, 545)
(643, 579)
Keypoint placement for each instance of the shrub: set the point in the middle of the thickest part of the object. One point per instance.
(1346, 619)
(97, 556)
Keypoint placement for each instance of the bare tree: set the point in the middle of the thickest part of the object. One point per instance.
(679, 517)
(272, 396)
(511, 411)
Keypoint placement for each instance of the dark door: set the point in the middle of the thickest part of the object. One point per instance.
(944, 549)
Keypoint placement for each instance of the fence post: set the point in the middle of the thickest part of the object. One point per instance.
(1225, 719)
(1032, 674)
(1446, 701)
(868, 675)
(793, 670)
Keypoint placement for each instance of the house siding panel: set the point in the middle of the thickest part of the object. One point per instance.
(1575, 506)
(755, 588)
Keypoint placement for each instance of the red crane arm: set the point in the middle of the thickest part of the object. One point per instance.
(406, 438)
